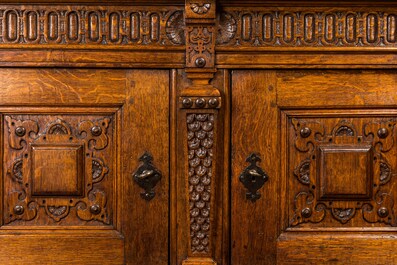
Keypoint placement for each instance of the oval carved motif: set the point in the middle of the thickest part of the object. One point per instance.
(351, 28)
(32, 23)
(154, 27)
(310, 28)
(11, 21)
(392, 28)
(268, 29)
(246, 30)
(372, 28)
(330, 28)
(93, 26)
(135, 26)
(289, 28)
(114, 27)
(52, 27)
(73, 26)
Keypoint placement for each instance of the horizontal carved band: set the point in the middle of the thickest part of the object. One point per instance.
(157, 27)
(94, 25)
(316, 28)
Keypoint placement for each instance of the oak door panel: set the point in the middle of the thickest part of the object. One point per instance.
(145, 131)
(327, 144)
(254, 221)
(72, 140)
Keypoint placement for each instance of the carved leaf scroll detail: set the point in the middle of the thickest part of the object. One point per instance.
(94, 208)
(20, 131)
(200, 46)
(95, 133)
(21, 208)
(306, 209)
(381, 210)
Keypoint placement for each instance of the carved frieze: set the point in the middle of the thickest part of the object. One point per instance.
(90, 25)
(58, 167)
(234, 27)
(320, 27)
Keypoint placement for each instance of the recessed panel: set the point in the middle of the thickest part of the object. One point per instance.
(345, 172)
(57, 170)
(340, 170)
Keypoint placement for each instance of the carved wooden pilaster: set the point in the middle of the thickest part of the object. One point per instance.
(200, 102)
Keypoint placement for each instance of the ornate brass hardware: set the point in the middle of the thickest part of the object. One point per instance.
(253, 177)
(147, 176)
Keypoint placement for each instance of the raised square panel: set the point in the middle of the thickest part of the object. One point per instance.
(57, 170)
(345, 172)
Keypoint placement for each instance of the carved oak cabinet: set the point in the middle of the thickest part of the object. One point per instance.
(198, 132)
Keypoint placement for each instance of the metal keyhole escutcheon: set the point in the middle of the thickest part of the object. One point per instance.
(253, 177)
(147, 176)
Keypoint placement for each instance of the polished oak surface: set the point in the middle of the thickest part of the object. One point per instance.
(198, 132)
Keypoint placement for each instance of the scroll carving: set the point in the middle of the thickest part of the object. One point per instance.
(201, 46)
(371, 197)
(37, 149)
(20, 132)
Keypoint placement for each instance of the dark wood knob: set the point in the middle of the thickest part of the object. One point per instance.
(95, 209)
(20, 131)
(19, 209)
(213, 102)
(200, 62)
(187, 102)
(306, 212)
(96, 131)
(305, 132)
(383, 212)
(200, 102)
(383, 133)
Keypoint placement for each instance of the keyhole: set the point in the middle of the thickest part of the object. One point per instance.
(253, 179)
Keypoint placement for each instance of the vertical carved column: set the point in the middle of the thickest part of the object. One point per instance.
(200, 102)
